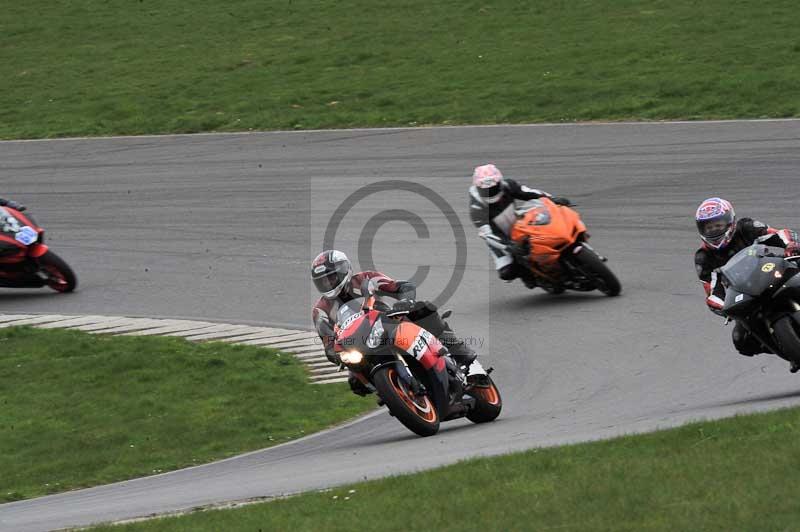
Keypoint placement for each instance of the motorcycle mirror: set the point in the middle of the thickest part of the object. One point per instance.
(367, 288)
(447, 313)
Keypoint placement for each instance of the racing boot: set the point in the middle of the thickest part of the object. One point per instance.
(358, 387)
(464, 356)
(528, 278)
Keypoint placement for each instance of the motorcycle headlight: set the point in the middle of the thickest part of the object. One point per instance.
(351, 358)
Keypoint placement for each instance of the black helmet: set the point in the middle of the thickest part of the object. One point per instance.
(331, 272)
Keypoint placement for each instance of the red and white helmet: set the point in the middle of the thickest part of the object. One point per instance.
(488, 180)
(716, 222)
(331, 272)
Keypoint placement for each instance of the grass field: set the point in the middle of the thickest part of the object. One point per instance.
(85, 67)
(79, 410)
(734, 474)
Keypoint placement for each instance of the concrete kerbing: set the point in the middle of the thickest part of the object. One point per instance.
(196, 331)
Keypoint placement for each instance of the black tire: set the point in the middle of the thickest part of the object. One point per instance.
(488, 403)
(418, 413)
(63, 279)
(593, 267)
(785, 332)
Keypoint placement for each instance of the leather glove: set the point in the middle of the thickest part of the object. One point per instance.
(792, 249)
(402, 307)
(561, 201)
(13, 204)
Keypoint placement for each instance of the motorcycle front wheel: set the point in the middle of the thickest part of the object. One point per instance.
(594, 268)
(416, 412)
(61, 277)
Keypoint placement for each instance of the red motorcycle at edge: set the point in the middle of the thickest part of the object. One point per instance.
(25, 260)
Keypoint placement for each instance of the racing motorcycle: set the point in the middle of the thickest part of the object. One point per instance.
(408, 367)
(25, 260)
(550, 240)
(762, 292)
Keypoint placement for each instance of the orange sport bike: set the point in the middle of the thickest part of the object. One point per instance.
(412, 373)
(551, 239)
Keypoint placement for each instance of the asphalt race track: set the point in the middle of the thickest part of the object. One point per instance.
(223, 227)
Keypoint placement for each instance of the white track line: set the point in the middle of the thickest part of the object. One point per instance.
(303, 345)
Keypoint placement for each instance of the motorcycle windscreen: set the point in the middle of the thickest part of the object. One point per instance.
(348, 310)
(534, 212)
(751, 272)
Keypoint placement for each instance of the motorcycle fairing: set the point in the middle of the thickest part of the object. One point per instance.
(420, 344)
(755, 269)
(548, 240)
(737, 302)
(426, 348)
(12, 223)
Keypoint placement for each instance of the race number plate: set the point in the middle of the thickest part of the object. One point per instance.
(27, 235)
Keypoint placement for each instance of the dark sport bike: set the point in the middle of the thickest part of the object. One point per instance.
(762, 292)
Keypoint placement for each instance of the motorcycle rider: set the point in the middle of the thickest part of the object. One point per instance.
(492, 209)
(332, 274)
(723, 236)
(12, 204)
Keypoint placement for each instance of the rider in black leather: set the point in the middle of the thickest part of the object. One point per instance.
(12, 204)
(491, 207)
(723, 236)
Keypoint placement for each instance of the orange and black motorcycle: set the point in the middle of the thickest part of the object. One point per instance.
(551, 239)
(25, 260)
(408, 367)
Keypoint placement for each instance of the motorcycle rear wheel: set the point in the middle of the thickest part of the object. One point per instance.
(416, 412)
(488, 403)
(62, 278)
(596, 269)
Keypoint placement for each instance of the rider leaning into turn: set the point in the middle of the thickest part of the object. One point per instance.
(492, 209)
(723, 236)
(333, 277)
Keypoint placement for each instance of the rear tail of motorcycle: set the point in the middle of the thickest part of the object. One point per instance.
(488, 402)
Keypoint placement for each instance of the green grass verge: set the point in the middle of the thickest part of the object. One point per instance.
(82, 67)
(79, 410)
(733, 474)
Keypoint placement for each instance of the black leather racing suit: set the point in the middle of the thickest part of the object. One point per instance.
(494, 222)
(707, 260)
(13, 204)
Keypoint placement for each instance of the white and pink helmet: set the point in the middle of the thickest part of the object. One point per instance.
(716, 222)
(488, 180)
